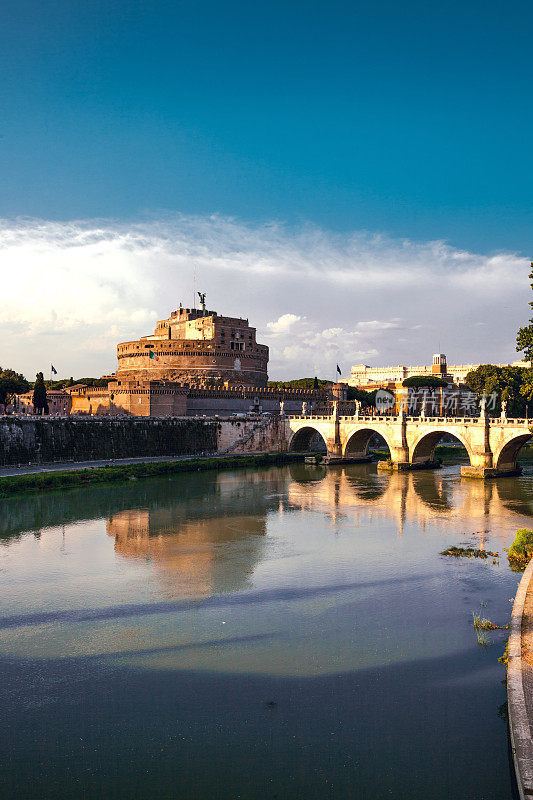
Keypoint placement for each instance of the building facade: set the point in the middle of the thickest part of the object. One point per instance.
(144, 398)
(365, 377)
(196, 346)
(59, 402)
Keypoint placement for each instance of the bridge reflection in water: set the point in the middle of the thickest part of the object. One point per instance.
(357, 489)
(198, 552)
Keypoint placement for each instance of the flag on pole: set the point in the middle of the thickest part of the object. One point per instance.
(53, 370)
(339, 370)
(153, 355)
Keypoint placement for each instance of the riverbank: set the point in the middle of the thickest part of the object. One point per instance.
(54, 477)
(520, 683)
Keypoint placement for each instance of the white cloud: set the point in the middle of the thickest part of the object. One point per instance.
(283, 324)
(71, 290)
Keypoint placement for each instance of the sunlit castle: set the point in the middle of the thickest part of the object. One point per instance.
(195, 346)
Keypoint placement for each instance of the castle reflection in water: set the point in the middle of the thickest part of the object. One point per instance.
(209, 537)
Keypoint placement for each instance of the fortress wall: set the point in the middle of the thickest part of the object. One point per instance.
(199, 405)
(229, 431)
(261, 435)
(47, 440)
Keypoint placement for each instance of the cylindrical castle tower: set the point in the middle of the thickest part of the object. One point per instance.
(196, 346)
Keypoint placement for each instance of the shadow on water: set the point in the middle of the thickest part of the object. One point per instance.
(226, 736)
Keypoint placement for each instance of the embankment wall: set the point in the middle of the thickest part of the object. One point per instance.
(68, 439)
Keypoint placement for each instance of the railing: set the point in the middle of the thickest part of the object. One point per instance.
(389, 418)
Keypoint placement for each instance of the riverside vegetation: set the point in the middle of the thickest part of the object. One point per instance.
(521, 550)
(41, 481)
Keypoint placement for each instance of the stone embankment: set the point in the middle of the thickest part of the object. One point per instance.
(26, 440)
(57, 439)
(520, 684)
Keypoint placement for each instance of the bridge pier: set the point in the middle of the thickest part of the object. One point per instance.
(489, 472)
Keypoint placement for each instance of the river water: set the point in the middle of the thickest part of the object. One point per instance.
(278, 633)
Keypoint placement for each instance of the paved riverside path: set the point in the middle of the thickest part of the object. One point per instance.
(30, 469)
(520, 684)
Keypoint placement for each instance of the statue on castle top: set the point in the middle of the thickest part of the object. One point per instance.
(201, 295)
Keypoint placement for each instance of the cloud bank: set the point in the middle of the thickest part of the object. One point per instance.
(72, 290)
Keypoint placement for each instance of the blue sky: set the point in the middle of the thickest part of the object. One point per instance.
(410, 118)
(355, 177)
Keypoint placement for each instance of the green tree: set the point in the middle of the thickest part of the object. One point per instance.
(11, 383)
(300, 383)
(40, 403)
(365, 398)
(524, 337)
(527, 386)
(507, 382)
(424, 381)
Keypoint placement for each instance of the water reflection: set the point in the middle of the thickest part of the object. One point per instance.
(149, 624)
(419, 497)
(195, 559)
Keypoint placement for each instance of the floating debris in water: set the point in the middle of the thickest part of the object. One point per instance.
(468, 552)
(486, 625)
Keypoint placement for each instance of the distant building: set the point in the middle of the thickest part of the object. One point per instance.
(196, 347)
(58, 402)
(366, 377)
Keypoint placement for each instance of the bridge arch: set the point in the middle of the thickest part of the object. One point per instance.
(423, 448)
(506, 455)
(305, 438)
(357, 441)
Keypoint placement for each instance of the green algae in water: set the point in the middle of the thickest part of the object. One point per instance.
(468, 552)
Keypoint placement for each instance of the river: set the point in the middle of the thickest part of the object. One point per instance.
(282, 633)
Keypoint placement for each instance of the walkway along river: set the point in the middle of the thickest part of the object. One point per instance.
(282, 632)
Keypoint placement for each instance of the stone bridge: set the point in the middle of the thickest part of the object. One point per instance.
(492, 444)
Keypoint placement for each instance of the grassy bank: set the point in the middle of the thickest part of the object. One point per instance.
(521, 550)
(42, 481)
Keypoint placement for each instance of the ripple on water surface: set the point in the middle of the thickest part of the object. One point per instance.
(288, 632)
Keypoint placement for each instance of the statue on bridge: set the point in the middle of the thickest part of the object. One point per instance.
(281, 408)
(483, 405)
(504, 409)
(304, 409)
